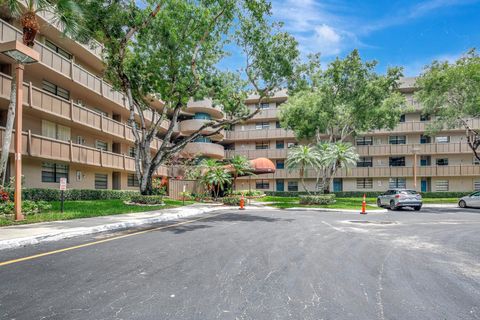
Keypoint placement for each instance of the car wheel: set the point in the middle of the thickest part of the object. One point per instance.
(417, 208)
(392, 205)
(462, 204)
(379, 203)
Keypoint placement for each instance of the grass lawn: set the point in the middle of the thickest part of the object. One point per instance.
(90, 208)
(341, 203)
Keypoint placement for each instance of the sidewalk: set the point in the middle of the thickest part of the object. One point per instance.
(28, 234)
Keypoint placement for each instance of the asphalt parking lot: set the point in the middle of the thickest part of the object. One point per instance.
(259, 264)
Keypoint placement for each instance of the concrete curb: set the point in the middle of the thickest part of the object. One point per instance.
(56, 234)
(336, 210)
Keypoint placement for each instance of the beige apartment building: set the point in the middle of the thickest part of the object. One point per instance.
(75, 126)
(75, 123)
(444, 162)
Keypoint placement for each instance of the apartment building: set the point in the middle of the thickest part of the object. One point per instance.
(75, 123)
(387, 157)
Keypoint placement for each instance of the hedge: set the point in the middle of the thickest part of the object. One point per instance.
(318, 199)
(38, 194)
(141, 199)
(231, 201)
(369, 194)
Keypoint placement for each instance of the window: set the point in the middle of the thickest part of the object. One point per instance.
(101, 181)
(56, 90)
(425, 161)
(55, 131)
(262, 125)
(397, 139)
(262, 145)
(52, 172)
(80, 140)
(202, 116)
(101, 145)
(131, 152)
(364, 162)
(442, 139)
(105, 114)
(292, 185)
(402, 118)
(424, 117)
(396, 162)
(397, 183)
(202, 139)
(265, 105)
(57, 49)
(476, 161)
(262, 184)
(441, 185)
(277, 125)
(442, 162)
(280, 144)
(425, 139)
(280, 164)
(365, 183)
(132, 180)
(291, 144)
(364, 141)
(476, 185)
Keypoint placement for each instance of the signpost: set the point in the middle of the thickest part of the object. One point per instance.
(63, 187)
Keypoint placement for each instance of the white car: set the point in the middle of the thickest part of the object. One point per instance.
(472, 200)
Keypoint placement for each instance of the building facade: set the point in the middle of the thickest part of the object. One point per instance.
(444, 162)
(75, 123)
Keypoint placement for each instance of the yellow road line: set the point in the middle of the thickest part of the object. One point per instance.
(4, 263)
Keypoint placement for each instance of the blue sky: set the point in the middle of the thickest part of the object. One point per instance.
(398, 32)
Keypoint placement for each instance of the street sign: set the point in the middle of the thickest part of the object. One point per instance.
(63, 184)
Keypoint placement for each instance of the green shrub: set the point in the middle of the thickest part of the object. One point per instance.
(201, 197)
(248, 193)
(317, 199)
(141, 199)
(231, 201)
(28, 207)
(369, 194)
(40, 194)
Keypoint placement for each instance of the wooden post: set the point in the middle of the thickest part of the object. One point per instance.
(30, 94)
(29, 142)
(18, 143)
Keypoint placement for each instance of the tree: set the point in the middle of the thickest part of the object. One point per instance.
(240, 166)
(65, 13)
(346, 99)
(335, 156)
(171, 50)
(214, 176)
(302, 157)
(451, 93)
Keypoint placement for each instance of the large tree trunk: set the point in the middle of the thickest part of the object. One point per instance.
(7, 137)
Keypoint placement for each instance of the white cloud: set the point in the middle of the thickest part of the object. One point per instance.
(415, 68)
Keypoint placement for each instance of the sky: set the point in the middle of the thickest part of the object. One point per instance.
(403, 33)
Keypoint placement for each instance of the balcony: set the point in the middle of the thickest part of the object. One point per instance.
(50, 104)
(212, 150)
(187, 127)
(205, 106)
(253, 154)
(51, 149)
(265, 114)
(259, 134)
(421, 126)
(408, 149)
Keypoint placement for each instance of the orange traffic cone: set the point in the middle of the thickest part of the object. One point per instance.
(242, 203)
(364, 205)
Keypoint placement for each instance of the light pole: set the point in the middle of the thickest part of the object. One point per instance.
(22, 55)
(415, 150)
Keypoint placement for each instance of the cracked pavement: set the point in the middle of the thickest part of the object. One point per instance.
(259, 264)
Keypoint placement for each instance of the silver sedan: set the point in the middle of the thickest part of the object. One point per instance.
(472, 200)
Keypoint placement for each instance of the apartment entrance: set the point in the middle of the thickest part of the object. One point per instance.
(116, 181)
(337, 184)
(426, 185)
(280, 185)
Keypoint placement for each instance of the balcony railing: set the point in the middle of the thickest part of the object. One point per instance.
(252, 154)
(47, 148)
(383, 172)
(266, 113)
(259, 134)
(407, 149)
(41, 100)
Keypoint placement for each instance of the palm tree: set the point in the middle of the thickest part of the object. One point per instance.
(300, 158)
(219, 178)
(67, 15)
(336, 156)
(241, 166)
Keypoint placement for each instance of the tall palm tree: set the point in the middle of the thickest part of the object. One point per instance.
(67, 15)
(300, 158)
(241, 166)
(219, 178)
(336, 156)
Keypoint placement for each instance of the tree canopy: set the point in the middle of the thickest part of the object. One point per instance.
(346, 99)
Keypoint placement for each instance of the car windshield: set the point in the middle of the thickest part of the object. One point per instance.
(408, 192)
